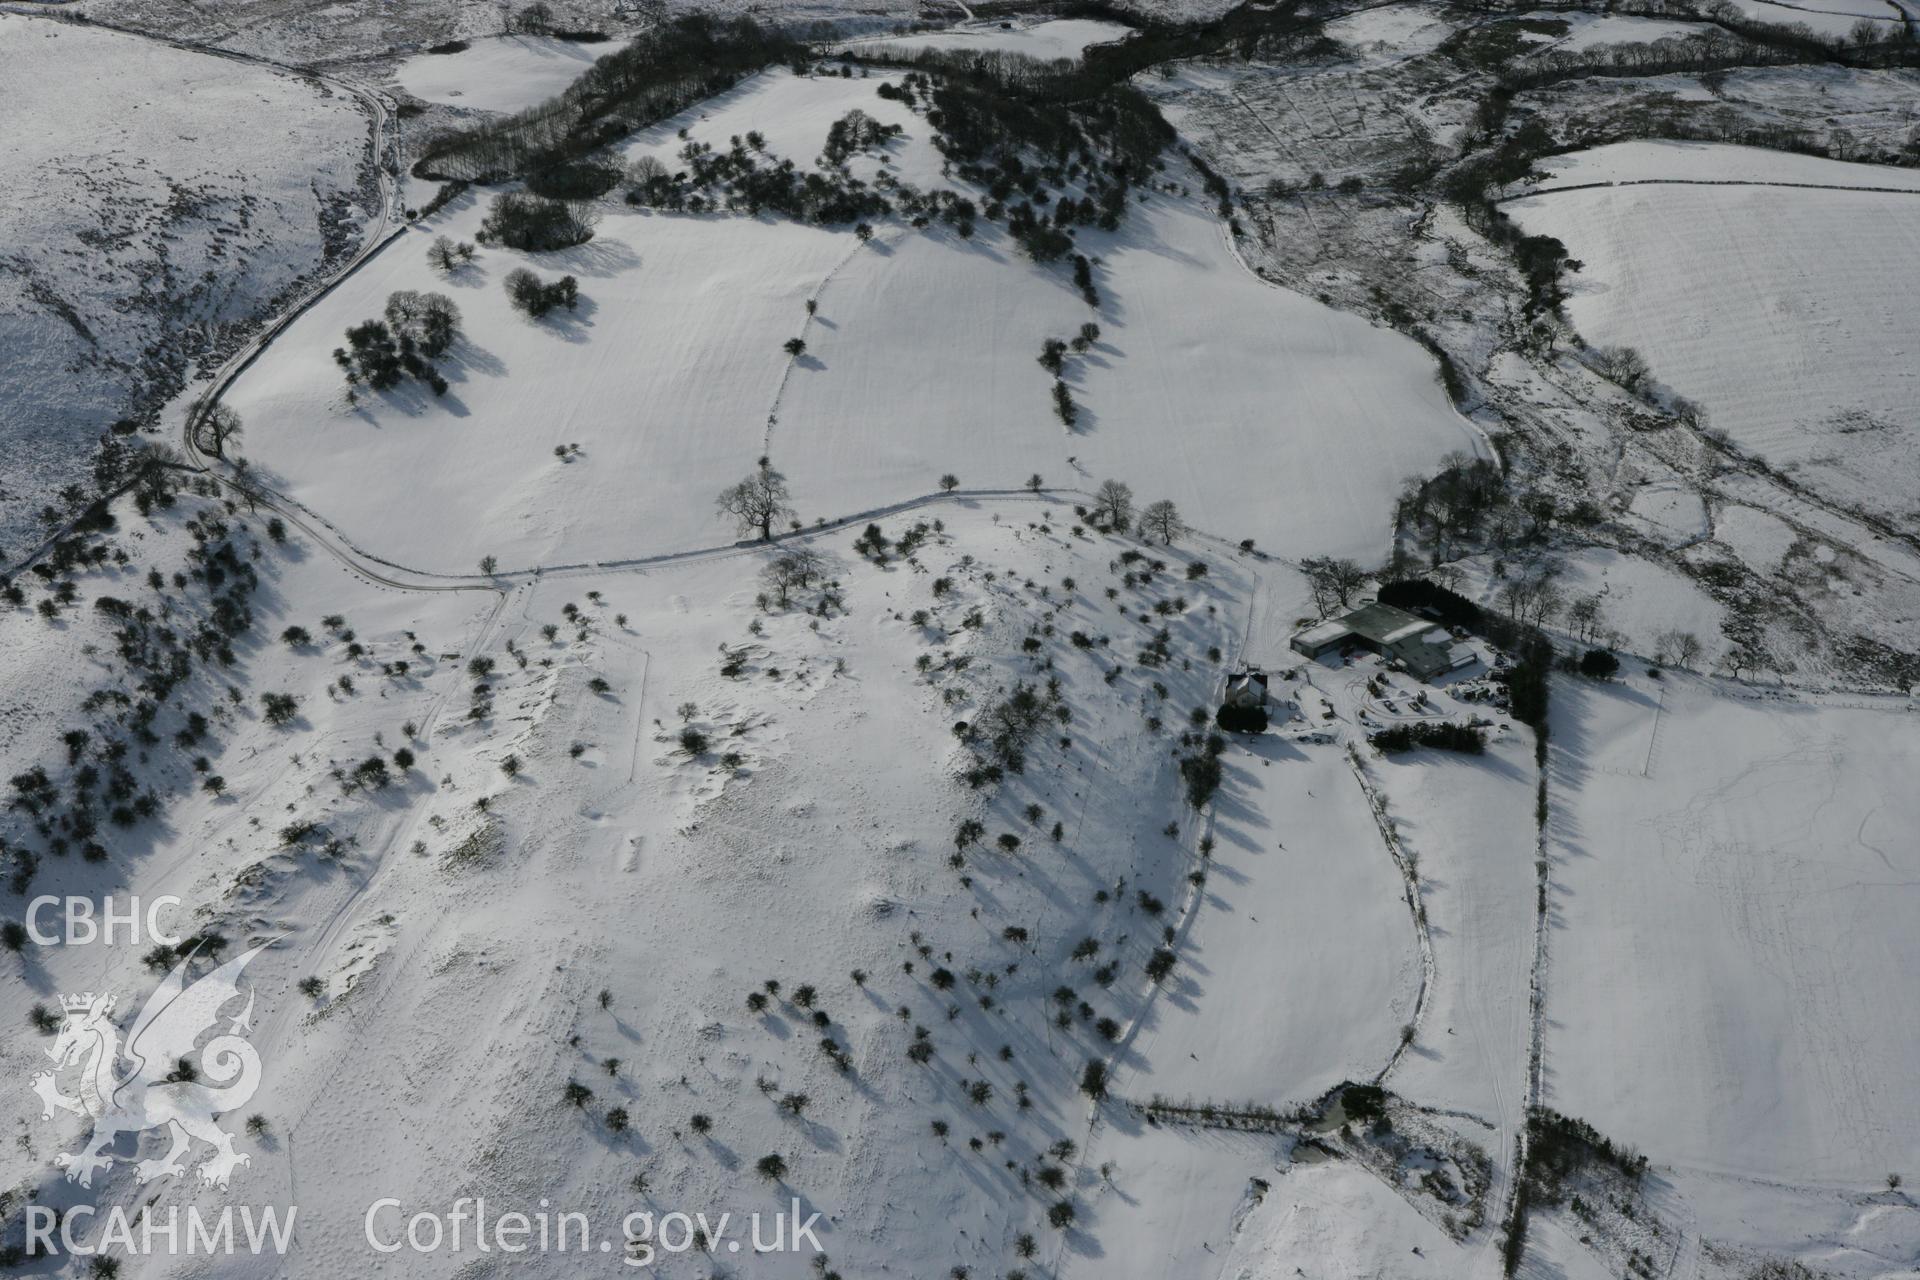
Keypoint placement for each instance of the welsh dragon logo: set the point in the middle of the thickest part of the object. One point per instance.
(157, 1090)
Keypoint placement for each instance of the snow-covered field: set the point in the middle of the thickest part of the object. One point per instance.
(794, 113)
(664, 411)
(1590, 29)
(1236, 1205)
(504, 73)
(1638, 598)
(1469, 825)
(920, 361)
(1783, 310)
(1833, 19)
(1059, 38)
(1579, 31)
(1729, 876)
(1660, 160)
(1298, 875)
(1392, 30)
(1670, 513)
(147, 220)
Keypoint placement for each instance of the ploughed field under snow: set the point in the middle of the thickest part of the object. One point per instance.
(1784, 310)
(1280, 418)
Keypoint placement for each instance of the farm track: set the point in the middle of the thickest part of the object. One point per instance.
(1410, 883)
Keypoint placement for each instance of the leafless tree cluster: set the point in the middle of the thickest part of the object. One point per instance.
(1332, 581)
(1677, 648)
(217, 427)
(1586, 619)
(1532, 598)
(1624, 366)
(446, 257)
(1467, 499)
(791, 571)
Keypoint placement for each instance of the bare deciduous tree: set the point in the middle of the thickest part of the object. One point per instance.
(1113, 504)
(218, 425)
(534, 20)
(1162, 520)
(643, 173)
(757, 502)
(430, 320)
(1584, 618)
(1623, 365)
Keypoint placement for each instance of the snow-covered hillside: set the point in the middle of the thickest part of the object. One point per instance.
(601, 770)
(149, 221)
(920, 360)
(915, 858)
